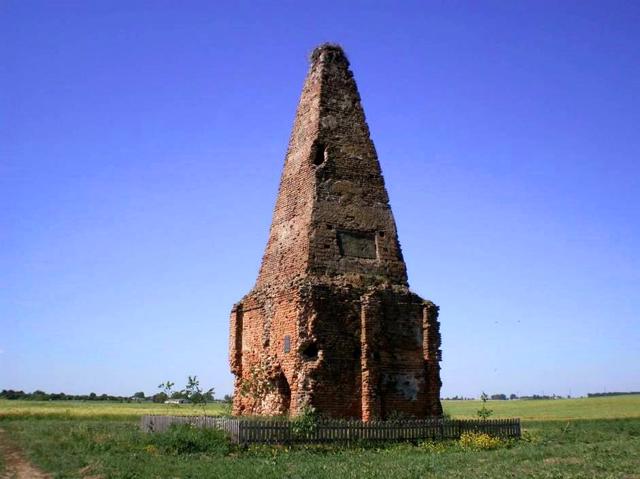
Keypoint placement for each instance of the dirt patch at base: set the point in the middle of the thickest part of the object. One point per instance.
(16, 464)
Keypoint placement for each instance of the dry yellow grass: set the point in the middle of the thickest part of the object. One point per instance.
(554, 409)
(79, 409)
(537, 410)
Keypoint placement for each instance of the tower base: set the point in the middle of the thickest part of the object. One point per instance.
(347, 349)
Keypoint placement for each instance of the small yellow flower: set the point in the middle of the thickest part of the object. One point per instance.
(151, 449)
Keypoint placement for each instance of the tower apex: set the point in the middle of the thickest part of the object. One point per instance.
(330, 52)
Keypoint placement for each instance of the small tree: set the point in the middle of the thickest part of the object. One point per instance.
(139, 395)
(484, 412)
(306, 423)
(194, 393)
(167, 389)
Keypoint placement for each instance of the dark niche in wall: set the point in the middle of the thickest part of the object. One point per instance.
(311, 351)
(319, 154)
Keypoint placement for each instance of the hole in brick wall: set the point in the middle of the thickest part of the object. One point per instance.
(319, 154)
(282, 386)
(311, 351)
(381, 233)
(329, 227)
(327, 246)
(287, 344)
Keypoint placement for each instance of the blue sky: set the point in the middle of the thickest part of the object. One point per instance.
(141, 145)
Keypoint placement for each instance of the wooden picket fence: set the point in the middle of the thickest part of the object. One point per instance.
(282, 431)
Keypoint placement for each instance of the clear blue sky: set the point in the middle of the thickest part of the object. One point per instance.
(141, 144)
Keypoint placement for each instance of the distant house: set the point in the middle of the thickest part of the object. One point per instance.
(137, 399)
(177, 401)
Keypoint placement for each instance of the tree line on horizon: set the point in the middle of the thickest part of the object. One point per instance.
(161, 397)
(140, 396)
(504, 397)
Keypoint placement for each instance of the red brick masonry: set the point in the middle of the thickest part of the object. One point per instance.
(331, 322)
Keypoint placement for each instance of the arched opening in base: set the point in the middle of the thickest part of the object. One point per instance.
(284, 391)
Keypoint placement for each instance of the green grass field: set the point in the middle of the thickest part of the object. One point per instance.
(577, 438)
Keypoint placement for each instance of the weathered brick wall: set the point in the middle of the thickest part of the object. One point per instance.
(287, 253)
(331, 322)
(351, 195)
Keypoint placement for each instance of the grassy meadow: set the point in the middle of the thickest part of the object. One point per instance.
(575, 438)
(536, 410)
(105, 409)
(553, 409)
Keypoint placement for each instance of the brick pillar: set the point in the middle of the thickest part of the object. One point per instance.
(235, 340)
(432, 356)
(369, 357)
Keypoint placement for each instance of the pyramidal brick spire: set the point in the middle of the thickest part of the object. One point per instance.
(332, 215)
(331, 322)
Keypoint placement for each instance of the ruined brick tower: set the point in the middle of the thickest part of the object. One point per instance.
(331, 322)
